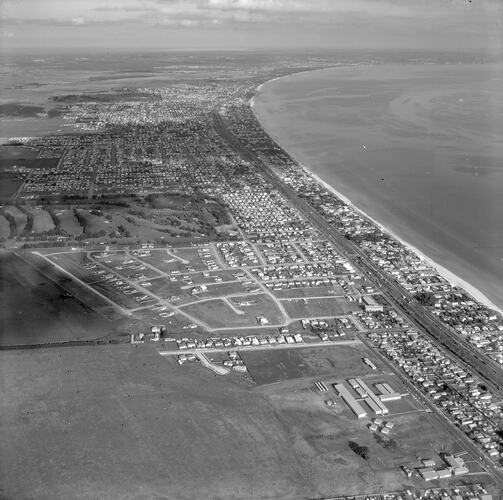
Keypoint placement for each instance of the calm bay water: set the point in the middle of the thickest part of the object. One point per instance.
(418, 147)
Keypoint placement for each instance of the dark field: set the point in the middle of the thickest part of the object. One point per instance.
(19, 109)
(35, 310)
(28, 163)
(313, 308)
(8, 152)
(267, 367)
(9, 184)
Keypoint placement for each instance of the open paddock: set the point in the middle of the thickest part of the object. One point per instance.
(267, 367)
(258, 305)
(306, 292)
(223, 289)
(213, 276)
(138, 424)
(315, 308)
(174, 260)
(217, 313)
(165, 289)
(125, 265)
(323, 435)
(175, 324)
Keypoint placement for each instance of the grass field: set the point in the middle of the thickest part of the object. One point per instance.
(125, 265)
(122, 422)
(170, 262)
(42, 221)
(218, 314)
(164, 288)
(273, 366)
(317, 291)
(68, 222)
(313, 308)
(199, 279)
(220, 289)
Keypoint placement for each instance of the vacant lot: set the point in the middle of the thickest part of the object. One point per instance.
(165, 289)
(218, 314)
(273, 366)
(314, 308)
(316, 291)
(221, 289)
(175, 260)
(122, 422)
(125, 265)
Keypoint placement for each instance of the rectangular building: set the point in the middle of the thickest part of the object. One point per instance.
(370, 393)
(356, 407)
(371, 404)
(371, 305)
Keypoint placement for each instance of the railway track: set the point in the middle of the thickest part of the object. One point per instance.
(465, 353)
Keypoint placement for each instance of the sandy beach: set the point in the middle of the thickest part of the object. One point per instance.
(311, 169)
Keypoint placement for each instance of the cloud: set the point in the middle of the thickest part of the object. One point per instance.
(192, 14)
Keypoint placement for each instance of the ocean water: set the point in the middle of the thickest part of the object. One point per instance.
(418, 147)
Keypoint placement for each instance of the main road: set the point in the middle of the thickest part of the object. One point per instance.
(466, 354)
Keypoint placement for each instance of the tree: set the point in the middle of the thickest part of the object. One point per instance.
(425, 298)
(361, 451)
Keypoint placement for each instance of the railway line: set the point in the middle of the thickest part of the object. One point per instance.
(466, 354)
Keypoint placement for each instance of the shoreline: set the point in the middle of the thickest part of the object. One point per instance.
(445, 273)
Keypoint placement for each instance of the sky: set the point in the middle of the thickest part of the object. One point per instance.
(250, 24)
